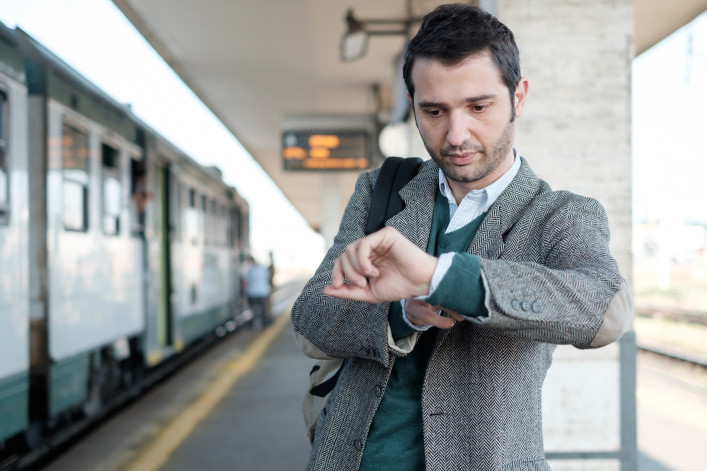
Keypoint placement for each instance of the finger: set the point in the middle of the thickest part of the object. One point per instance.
(337, 274)
(422, 305)
(349, 292)
(454, 315)
(441, 322)
(364, 254)
(350, 271)
(420, 315)
(419, 312)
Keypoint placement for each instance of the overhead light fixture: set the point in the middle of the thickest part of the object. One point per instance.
(355, 41)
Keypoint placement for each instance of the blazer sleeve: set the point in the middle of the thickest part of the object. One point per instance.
(572, 293)
(342, 328)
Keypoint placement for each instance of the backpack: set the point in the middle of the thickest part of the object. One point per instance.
(395, 173)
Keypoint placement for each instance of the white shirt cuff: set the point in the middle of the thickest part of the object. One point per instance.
(443, 263)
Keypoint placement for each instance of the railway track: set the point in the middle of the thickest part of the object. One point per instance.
(680, 315)
(683, 315)
(695, 360)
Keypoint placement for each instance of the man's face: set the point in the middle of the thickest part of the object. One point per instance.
(464, 114)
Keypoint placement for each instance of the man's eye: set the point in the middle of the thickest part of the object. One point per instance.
(433, 112)
(479, 108)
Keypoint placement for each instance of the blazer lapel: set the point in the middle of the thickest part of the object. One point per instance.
(415, 220)
(489, 240)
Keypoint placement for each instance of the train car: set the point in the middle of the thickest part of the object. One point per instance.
(118, 251)
(14, 227)
(195, 241)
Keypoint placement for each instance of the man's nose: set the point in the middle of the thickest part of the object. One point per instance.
(458, 130)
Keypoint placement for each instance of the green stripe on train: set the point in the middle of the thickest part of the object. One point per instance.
(195, 326)
(14, 399)
(68, 385)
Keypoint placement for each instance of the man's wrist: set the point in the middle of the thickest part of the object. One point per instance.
(428, 268)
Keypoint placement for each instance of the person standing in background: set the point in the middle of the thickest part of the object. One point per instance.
(258, 289)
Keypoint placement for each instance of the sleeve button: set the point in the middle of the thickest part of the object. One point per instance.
(525, 305)
(515, 304)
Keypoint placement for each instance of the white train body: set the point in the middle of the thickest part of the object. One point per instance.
(14, 262)
(117, 251)
(95, 276)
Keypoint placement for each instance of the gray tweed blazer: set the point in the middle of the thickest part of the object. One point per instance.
(549, 279)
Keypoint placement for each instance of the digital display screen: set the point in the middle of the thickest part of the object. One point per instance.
(326, 150)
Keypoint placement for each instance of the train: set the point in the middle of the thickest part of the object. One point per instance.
(118, 252)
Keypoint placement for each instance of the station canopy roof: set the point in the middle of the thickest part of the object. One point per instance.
(255, 62)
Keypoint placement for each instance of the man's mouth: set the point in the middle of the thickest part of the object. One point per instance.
(463, 158)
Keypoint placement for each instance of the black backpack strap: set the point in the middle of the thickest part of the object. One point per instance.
(381, 194)
(395, 173)
(406, 171)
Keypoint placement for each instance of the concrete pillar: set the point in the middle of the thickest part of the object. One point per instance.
(576, 134)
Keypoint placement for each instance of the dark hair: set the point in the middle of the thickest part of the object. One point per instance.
(451, 33)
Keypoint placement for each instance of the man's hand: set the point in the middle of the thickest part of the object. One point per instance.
(420, 313)
(384, 266)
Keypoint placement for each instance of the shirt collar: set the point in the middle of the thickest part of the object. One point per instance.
(489, 193)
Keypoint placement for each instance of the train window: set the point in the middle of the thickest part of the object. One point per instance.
(178, 233)
(229, 228)
(112, 190)
(140, 195)
(204, 219)
(245, 227)
(75, 162)
(213, 224)
(236, 227)
(4, 165)
(191, 220)
(222, 227)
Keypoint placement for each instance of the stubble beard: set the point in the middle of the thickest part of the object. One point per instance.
(486, 164)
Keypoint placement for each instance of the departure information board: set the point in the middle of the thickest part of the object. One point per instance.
(326, 150)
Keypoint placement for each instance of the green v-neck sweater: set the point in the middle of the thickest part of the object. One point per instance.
(395, 439)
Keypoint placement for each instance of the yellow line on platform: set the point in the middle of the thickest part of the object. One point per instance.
(158, 452)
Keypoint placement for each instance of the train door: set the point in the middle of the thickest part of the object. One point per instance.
(162, 228)
(159, 336)
(239, 243)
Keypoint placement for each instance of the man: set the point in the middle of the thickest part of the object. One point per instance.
(492, 268)
(257, 289)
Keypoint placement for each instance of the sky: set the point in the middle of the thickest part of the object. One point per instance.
(94, 37)
(669, 131)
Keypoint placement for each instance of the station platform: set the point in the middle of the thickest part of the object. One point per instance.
(238, 407)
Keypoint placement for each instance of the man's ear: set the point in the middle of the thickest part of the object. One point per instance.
(520, 94)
